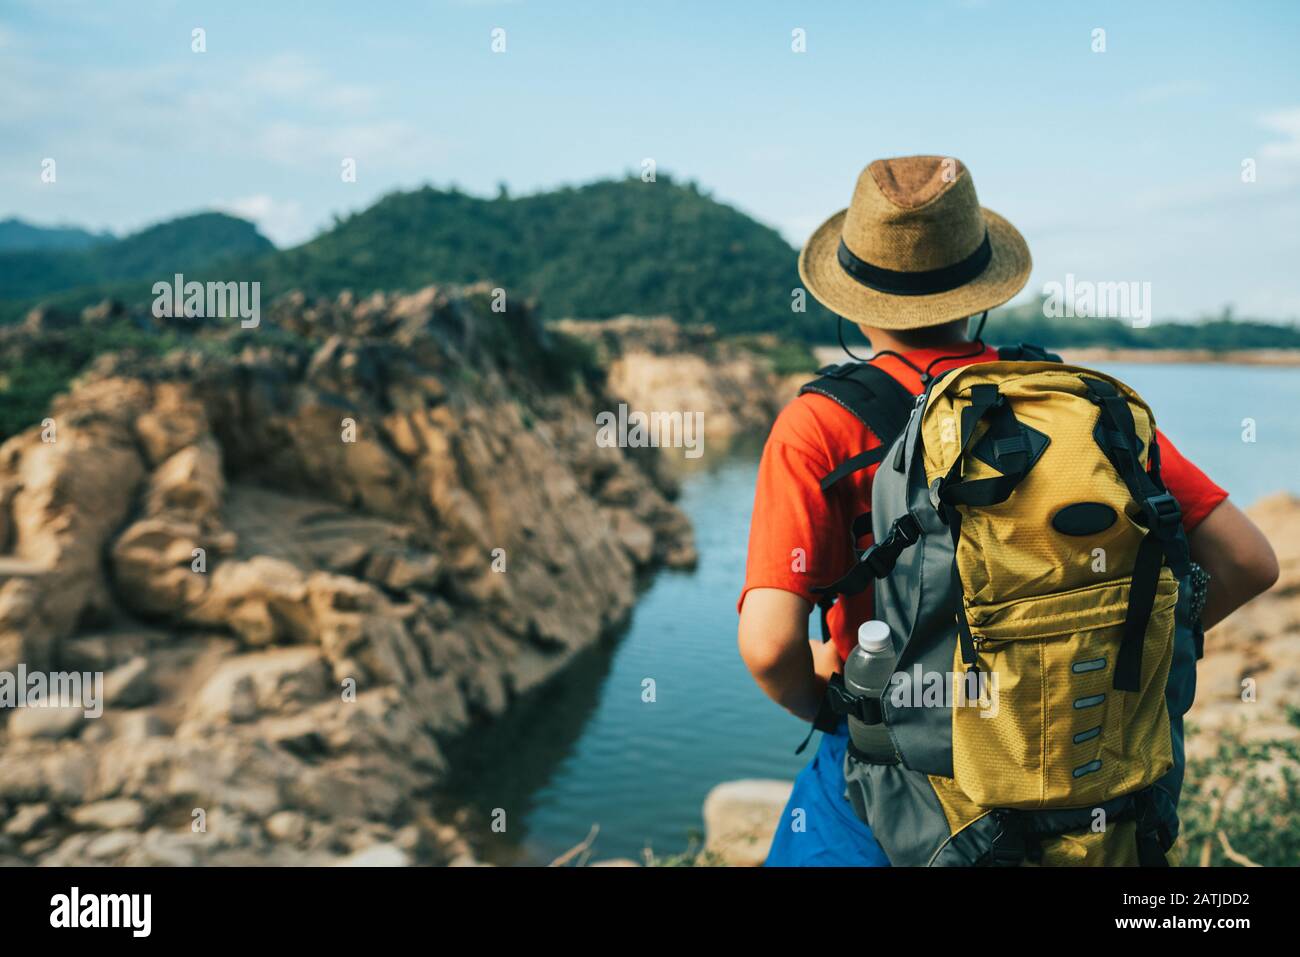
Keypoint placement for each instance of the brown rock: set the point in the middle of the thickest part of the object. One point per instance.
(277, 679)
(741, 818)
(110, 815)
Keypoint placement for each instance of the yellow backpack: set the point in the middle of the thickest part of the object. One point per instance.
(1027, 559)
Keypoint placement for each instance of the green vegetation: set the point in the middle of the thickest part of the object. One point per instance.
(787, 357)
(556, 360)
(695, 855)
(18, 235)
(1240, 804)
(47, 368)
(592, 252)
(26, 387)
(182, 245)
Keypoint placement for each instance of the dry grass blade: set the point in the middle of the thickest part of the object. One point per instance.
(580, 848)
(1234, 856)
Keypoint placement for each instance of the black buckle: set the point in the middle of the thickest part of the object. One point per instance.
(907, 529)
(883, 555)
(880, 562)
(1010, 846)
(1162, 514)
(844, 702)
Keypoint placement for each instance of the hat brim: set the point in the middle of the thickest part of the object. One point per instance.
(1005, 275)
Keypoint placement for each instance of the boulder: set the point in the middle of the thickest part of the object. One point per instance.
(741, 818)
(41, 722)
(287, 826)
(109, 845)
(377, 855)
(28, 819)
(110, 815)
(275, 680)
(128, 686)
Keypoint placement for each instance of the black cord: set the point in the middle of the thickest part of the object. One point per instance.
(839, 331)
(923, 373)
(979, 348)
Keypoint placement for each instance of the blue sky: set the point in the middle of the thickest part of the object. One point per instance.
(1122, 165)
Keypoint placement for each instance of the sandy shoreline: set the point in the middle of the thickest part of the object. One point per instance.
(1243, 357)
(1089, 356)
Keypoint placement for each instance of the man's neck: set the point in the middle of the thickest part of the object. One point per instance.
(882, 341)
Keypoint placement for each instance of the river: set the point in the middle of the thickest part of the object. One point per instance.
(590, 749)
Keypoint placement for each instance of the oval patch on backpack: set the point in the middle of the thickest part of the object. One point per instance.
(1084, 518)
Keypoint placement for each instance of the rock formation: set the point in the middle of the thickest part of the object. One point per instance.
(305, 557)
(656, 364)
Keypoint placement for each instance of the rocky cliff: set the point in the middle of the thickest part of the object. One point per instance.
(306, 556)
(656, 364)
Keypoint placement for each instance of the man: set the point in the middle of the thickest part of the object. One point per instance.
(904, 263)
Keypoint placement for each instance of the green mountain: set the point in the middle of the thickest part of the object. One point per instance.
(179, 245)
(620, 246)
(17, 235)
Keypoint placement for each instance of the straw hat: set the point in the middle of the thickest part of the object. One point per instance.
(914, 248)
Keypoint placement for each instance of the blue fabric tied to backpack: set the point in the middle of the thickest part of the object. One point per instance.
(818, 827)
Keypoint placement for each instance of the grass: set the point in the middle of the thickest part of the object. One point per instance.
(1239, 806)
(695, 855)
(786, 356)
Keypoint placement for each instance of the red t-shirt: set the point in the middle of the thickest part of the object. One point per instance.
(803, 537)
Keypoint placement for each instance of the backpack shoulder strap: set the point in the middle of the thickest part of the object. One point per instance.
(874, 397)
(877, 400)
(1025, 352)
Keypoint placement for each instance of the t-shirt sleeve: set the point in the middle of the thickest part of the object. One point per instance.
(1196, 493)
(797, 535)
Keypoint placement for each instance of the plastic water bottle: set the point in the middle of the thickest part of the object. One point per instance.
(866, 673)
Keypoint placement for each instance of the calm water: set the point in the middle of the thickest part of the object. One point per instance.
(589, 750)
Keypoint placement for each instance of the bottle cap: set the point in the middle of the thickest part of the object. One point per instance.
(873, 637)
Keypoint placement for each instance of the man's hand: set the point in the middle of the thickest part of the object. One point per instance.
(774, 645)
(826, 660)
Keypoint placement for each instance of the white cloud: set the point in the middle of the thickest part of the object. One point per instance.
(281, 221)
(292, 77)
(137, 115)
(1285, 123)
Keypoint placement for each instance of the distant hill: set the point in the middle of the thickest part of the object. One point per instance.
(17, 235)
(1026, 323)
(179, 245)
(606, 249)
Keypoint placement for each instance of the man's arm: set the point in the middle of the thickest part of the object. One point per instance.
(1238, 557)
(774, 645)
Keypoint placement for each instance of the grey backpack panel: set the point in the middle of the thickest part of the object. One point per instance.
(890, 792)
(918, 600)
